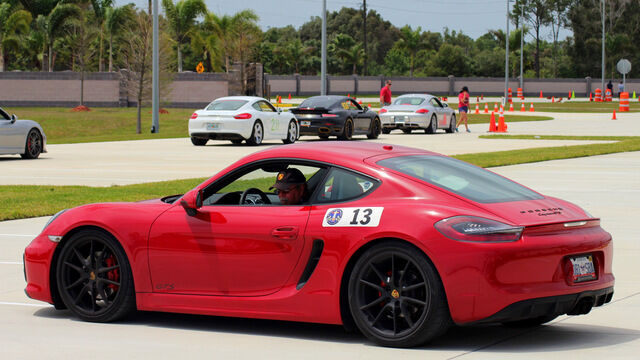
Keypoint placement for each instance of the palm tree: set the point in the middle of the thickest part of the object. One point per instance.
(12, 21)
(181, 18)
(115, 19)
(228, 28)
(52, 26)
(411, 41)
(345, 47)
(100, 8)
(206, 41)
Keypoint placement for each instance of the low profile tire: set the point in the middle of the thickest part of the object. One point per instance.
(452, 124)
(94, 277)
(386, 131)
(347, 130)
(530, 322)
(33, 145)
(236, 141)
(396, 297)
(257, 134)
(292, 133)
(433, 125)
(198, 141)
(406, 131)
(375, 129)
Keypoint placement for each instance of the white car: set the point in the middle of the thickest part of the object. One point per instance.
(417, 111)
(239, 118)
(24, 137)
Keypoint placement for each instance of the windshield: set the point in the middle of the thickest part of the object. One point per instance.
(464, 179)
(226, 105)
(315, 102)
(408, 100)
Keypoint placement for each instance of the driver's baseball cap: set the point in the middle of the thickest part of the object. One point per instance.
(288, 177)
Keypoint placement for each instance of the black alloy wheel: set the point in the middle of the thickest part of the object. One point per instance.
(33, 145)
(433, 125)
(292, 133)
(396, 297)
(347, 131)
(452, 124)
(375, 129)
(198, 141)
(94, 277)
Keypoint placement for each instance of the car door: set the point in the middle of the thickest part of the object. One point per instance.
(440, 112)
(272, 123)
(227, 249)
(361, 120)
(12, 136)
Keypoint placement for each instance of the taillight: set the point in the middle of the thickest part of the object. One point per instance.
(382, 111)
(477, 229)
(194, 115)
(329, 115)
(422, 111)
(243, 116)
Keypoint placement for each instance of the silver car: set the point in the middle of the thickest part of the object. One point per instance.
(24, 137)
(417, 111)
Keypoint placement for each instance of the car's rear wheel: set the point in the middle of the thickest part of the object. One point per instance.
(452, 124)
(257, 134)
(292, 133)
(406, 131)
(347, 130)
(33, 145)
(375, 129)
(433, 125)
(199, 141)
(396, 297)
(94, 277)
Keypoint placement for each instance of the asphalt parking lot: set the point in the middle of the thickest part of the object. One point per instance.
(608, 186)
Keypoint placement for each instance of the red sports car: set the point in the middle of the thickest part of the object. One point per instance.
(398, 242)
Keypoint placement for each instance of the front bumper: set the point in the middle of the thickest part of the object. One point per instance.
(38, 257)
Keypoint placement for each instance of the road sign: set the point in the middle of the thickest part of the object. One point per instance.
(624, 66)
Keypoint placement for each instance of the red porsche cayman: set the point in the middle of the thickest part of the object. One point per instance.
(397, 241)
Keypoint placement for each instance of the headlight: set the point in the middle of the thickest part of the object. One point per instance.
(53, 218)
(477, 229)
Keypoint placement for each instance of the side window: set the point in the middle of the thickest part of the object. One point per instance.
(256, 106)
(343, 185)
(435, 102)
(266, 107)
(4, 115)
(353, 105)
(345, 104)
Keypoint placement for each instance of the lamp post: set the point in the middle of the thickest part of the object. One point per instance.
(155, 91)
(506, 58)
(521, 46)
(602, 1)
(323, 61)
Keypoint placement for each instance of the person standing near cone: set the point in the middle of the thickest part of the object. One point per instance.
(463, 107)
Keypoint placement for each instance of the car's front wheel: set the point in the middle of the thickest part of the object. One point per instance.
(396, 297)
(199, 141)
(257, 134)
(292, 133)
(94, 277)
(33, 145)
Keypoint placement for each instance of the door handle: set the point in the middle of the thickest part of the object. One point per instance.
(285, 232)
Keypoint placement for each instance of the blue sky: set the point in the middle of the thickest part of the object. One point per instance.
(472, 17)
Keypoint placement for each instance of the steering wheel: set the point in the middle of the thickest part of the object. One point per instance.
(256, 191)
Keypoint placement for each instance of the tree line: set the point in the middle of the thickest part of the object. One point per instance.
(95, 35)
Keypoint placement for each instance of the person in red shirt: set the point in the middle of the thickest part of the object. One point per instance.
(463, 107)
(385, 94)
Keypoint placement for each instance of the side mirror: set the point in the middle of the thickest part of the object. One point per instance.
(445, 105)
(366, 108)
(13, 118)
(192, 201)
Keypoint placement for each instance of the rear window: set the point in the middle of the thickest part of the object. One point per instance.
(408, 100)
(466, 180)
(318, 102)
(226, 105)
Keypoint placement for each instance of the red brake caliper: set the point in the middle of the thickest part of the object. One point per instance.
(113, 275)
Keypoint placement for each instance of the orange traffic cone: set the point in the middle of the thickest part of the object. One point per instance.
(348, 95)
(360, 102)
(614, 115)
(501, 109)
(541, 97)
(522, 107)
(486, 108)
(553, 99)
(492, 123)
(590, 96)
(501, 125)
(511, 107)
(569, 96)
(495, 107)
(289, 96)
(279, 99)
(477, 109)
(531, 109)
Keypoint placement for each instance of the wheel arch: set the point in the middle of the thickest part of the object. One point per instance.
(345, 313)
(53, 283)
(26, 138)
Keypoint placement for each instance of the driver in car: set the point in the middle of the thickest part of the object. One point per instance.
(291, 185)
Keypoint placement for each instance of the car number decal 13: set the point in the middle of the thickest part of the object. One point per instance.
(352, 216)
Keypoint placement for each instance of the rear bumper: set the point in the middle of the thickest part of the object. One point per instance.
(572, 304)
(320, 126)
(404, 121)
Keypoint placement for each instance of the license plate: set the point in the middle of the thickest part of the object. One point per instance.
(213, 126)
(399, 119)
(583, 268)
(305, 123)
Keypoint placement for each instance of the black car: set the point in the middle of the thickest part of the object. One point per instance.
(341, 116)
